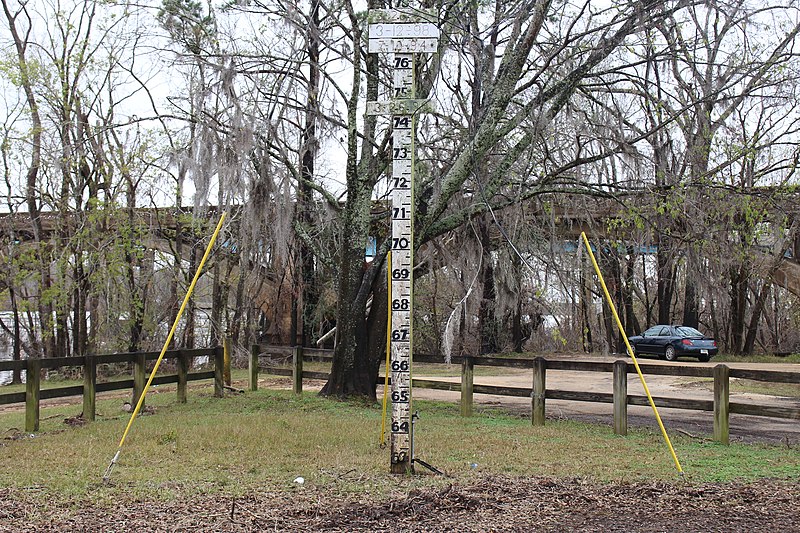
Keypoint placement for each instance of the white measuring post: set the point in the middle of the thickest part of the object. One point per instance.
(401, 35)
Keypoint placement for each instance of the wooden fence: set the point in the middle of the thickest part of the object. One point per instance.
(33, 371)
(721, 406)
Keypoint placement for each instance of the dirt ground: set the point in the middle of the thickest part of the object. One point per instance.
(486, 503)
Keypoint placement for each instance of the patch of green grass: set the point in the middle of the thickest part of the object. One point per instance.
(748, 386)
(723, 358)
(265, 439)
(789, 390)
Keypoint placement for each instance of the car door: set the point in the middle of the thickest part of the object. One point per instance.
(661, 340)
(648, 342)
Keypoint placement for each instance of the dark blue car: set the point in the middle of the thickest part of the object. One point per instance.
(670, 342)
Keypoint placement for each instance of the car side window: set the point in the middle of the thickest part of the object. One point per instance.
(652, 332)
(664, 332)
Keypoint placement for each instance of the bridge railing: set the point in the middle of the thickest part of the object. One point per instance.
(720, 405)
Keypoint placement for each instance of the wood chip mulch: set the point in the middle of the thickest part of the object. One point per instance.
(487, 503)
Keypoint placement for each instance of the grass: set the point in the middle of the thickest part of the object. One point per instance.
(722, 358)
(749, 386)
(265, 439)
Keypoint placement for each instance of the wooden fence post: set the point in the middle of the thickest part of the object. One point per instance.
(297, 369)
(621, 397)
(722, 404)
(219, 363)
(467, 378)
(139, 365)
(253, 366)
(33, 374)
(183, 375)
(228, 353)
(538, 394)
(89, 387)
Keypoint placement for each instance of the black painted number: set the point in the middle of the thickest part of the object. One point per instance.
(400, 335)
(400, 243)
(400, 183)
(400, 273)
(400, 396)
(401, 304)
(399, 427)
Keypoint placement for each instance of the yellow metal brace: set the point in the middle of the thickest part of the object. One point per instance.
(164, 349)
(630, 352)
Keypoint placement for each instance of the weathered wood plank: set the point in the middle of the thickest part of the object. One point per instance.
(620, 388)
(89, 387)
(539, 392)
(252, 368)
(277, 371)
(115, 385)
(139, 377)
(61, 392)
(673, 403)
(219, 371)
(297, 370)
(467, 382)
(580, 396)
(12, 397)
(722, 387)
(791, 413)
(183, 375)
(32, 386)
(307, 374)
(227, 351)
(10, 366)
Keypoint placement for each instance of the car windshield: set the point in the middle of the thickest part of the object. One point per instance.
(686, 331)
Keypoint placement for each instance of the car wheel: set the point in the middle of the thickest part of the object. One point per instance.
(704, 358)
(669, 353)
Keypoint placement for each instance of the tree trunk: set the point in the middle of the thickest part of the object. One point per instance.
(738, 301)
(352, 369)
(305, 196)
(631, 322)
(691, 316)
(518, 336)
(665, 269)
(16, 375)
(487, 320)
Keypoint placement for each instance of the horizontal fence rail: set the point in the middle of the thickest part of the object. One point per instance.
(34, 393)
(720, 405)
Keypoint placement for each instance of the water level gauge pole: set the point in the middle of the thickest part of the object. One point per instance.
(401, 35)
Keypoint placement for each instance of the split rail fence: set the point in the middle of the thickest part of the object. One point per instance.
(34, 392)
(720, 405)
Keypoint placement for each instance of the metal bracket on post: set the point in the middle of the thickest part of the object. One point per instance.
(414, 458)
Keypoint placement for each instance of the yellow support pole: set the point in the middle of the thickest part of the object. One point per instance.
(166, 344)
(388, 343)
(630, 352)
